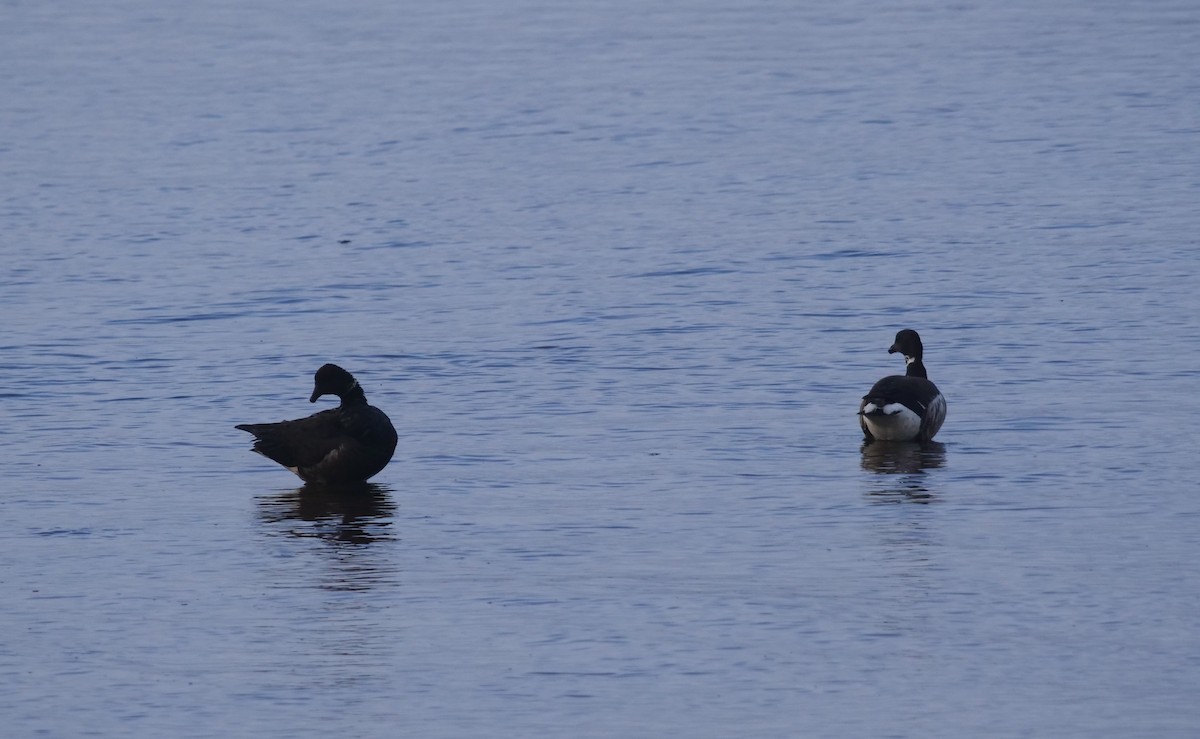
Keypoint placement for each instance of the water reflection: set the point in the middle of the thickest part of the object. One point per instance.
(355, 514)
(901, 467)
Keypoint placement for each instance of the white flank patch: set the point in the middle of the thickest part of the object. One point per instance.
(900, 424)
(935, 414)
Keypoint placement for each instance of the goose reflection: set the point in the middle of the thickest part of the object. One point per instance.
(902, 469)
(346, 514)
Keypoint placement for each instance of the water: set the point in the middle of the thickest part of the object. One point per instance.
(619, 273)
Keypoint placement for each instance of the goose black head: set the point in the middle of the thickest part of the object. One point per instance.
(907, 343)
(333, 380)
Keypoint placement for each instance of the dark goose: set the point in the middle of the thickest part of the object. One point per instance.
(904, 407)
(349, 443)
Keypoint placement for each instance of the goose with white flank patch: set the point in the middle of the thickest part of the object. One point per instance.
(904, 407)
(347, 444)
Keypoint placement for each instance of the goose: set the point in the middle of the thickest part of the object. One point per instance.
(346, 444)
(904, 407)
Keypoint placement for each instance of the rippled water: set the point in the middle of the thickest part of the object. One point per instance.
(619, 273)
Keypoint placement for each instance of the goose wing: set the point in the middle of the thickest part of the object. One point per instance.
(298, 444)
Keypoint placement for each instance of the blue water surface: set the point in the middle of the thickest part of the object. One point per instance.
(619, 272)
